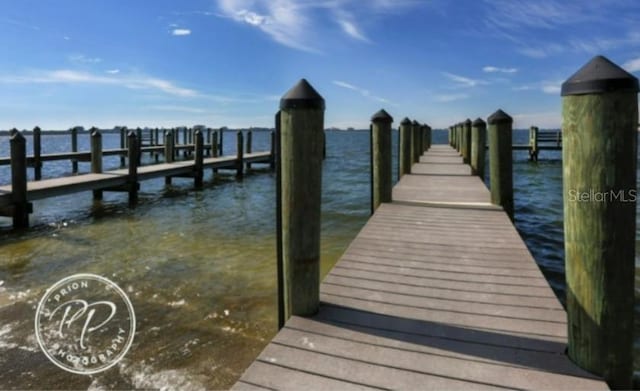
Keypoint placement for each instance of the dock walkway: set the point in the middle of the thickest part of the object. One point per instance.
(437, 291)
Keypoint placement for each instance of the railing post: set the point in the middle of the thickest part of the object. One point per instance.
(37, 151)
(599, 154)
(416, 141)
(169, 140)
(96, 157)
(380, 159)
(249, 146)
(221, 144)
(214, 144)
(123, 142)
(302, 124)
(21, 207)
(404, 144)
(466, 141)
(240, 155)
(156, 142)
(501, 161)
(74, 148)
(199, 159)
(139, 145)
(533, 143)
(132, 178)
(478, 142)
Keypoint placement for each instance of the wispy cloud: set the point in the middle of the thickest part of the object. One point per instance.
(364, 92)
(112, 71)
(462, 81)
(546, 86)
(352, 30)
(181, 109)
(492, 69)
(19, 23)
(450, 97)
(81, 58)
(66, 76)
(632, 65)
(180, 32)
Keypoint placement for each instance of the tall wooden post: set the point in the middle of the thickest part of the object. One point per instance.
(240, 154)
(123, 144)
(249, 146)
(132, 178)
(533, 143)
(21, 207)
(416, 141)
(466, 141)
(37, 151)
(221, 145)
(599, 122)
(185, 141)
(282, 307)
(214, 144)
(74, 148)
(404, 155)
(501, 161)
(169, 144)
(380, 159)
(96, 157)
(199, 159)
(139, 145)
(478, 142)
(428, 137)
(450, 135)
(302, 123)
(459, 137)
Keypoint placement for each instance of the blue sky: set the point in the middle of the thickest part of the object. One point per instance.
(228, 62)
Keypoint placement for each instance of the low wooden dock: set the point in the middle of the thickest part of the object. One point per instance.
(437, 291)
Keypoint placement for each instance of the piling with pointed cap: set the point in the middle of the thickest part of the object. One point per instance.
(380, 158)
(466, 141)
(302, 124)
(416, 141)
(478, 142)
(21, 208)
(599, 121)
(96, 157)
(404, 145)
(501, 161)
(37, 150)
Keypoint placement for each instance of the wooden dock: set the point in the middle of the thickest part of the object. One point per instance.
(437, 291)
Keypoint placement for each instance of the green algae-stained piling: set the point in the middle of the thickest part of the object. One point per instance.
(466, 141)
(416, 142)
(20, 206)
(459, 137)
(404, 145)
(239, 154)
(302, 125)
(96, 158)
(478, 142)
(380, 159)
(37, 150)
(501, 160)
(198, 167)
(599, 122)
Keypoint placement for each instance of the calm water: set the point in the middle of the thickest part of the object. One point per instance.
(199, 266)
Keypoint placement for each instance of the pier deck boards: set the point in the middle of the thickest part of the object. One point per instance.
(437, 291)
(84, 182)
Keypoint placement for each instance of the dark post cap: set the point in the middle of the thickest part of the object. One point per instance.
(467, 122)
(302, 96)
(405, 122)
(37, 129)
(597, 76)
(16, 135)
(499, 117)
(132, 134)
(382, 116)
(415, 123)
(479, 122)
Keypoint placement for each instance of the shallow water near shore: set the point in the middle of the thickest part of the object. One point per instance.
(199, 266)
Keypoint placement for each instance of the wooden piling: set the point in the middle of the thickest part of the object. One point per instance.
(123, 144)
(404, 145)
(74, 148)
(214, 144)
(169, 146)
(428, 134)
(282, 307)
(221, 143)
(302, 125)
(37, 152)
(599, 119)
(533, 143)
(96, 157)
(381, 182)
(185, 141)
(198, 167)
(501, 161)
(416, 142)
(139, 145)
(240, 155)
(466, 141)
(451, 135)
(132, 178)
(459, 137)
(249, 147)
(478, 142)
(21, 208)
(324, 144)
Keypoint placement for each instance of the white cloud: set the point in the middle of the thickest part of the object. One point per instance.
(352, 30)
(632, 65)
(492, 69)
(552, 88)
(180, 32)
(450, 97)
(364, 92)
(181, 109)
(112, 71)
(66, 76)
(81, 58)
(462, 81)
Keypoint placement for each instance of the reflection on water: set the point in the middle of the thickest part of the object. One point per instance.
(199, 266)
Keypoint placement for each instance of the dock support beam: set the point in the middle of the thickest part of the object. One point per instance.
(380, 159)
(466, 141)
(240, 154)
(501, 161)
(599, 122)
(37, 151)
(478, 142)
(21, 208)
(302, 125)
(96, 157)
(404, 155)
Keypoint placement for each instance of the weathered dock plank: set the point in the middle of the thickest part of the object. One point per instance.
(437, 291)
